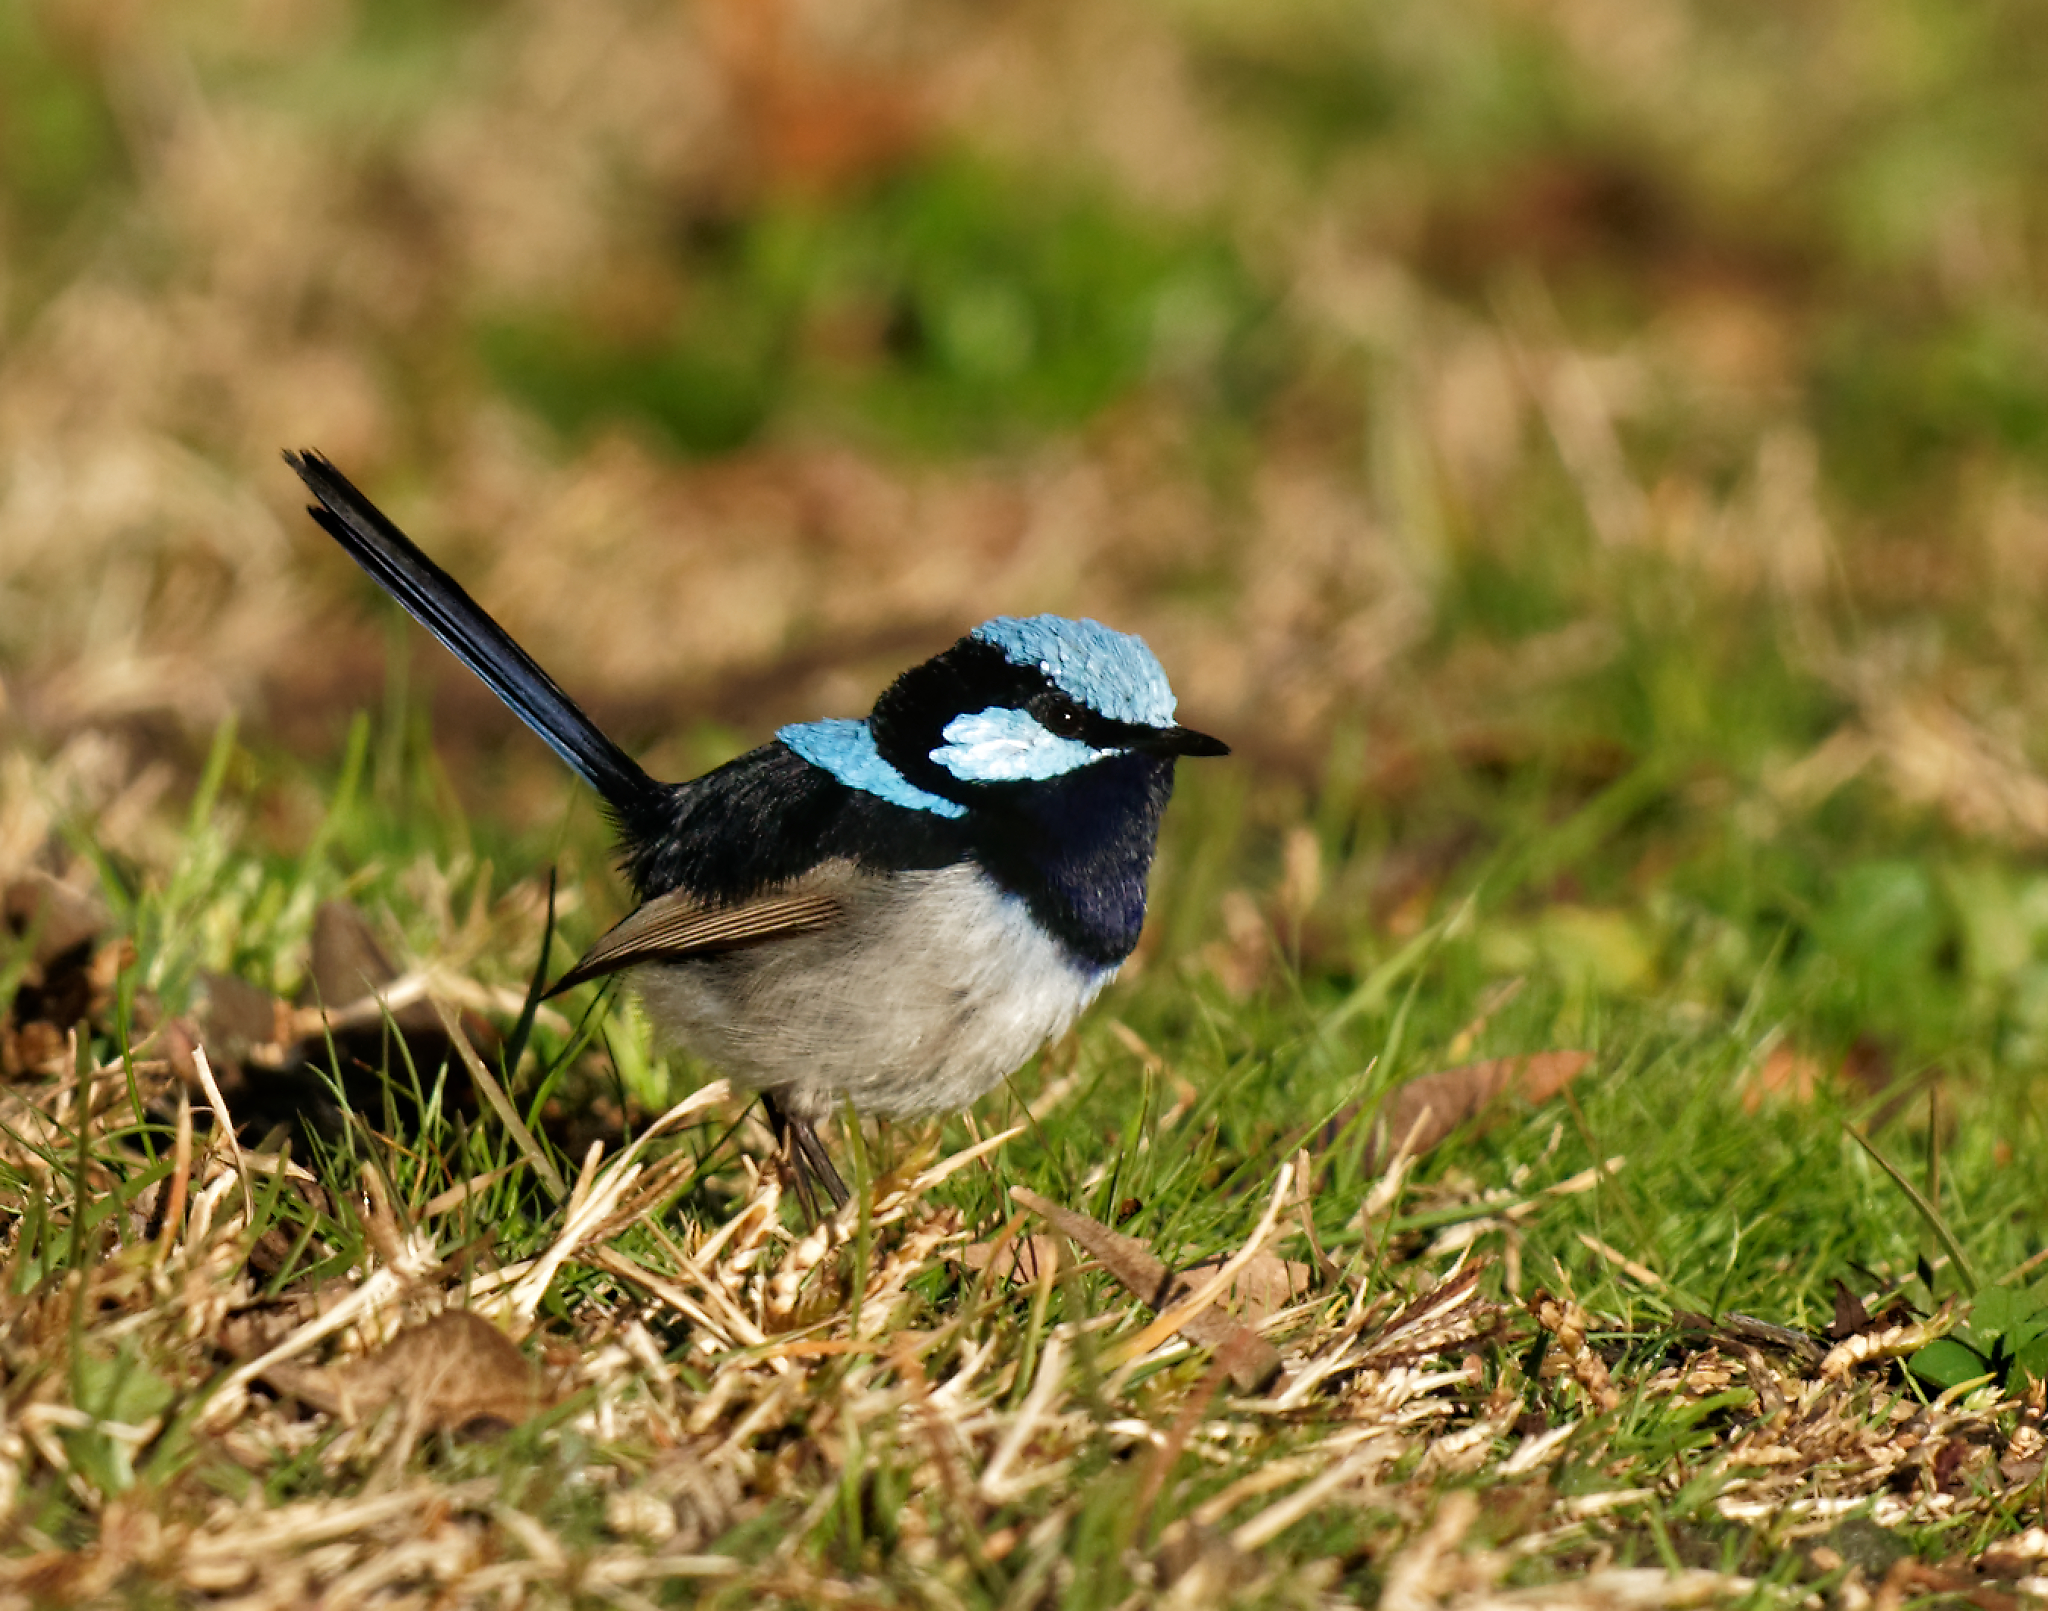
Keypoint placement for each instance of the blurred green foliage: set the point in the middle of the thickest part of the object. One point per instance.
(947, 307)
(1899, 402)
(59, 148)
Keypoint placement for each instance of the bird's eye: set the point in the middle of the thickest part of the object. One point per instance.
(1058, 715)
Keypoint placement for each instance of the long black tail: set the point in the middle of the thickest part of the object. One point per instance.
(431, 596)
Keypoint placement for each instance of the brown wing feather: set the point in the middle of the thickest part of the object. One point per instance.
(674, 926)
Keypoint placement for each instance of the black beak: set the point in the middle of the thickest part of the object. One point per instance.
(1186, 741)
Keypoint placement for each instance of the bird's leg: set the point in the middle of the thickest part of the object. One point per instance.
(786, 1158)
(813, 1159)
(805, 1155)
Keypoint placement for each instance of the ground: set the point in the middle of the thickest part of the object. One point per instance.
(1565, 1136)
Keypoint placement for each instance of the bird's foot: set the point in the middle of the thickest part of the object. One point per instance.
(805, 1158)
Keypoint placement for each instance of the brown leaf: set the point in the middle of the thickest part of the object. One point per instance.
(346, 965)
(60, 983)
(1251, 1360)
(810, 121)
(273, 1058)
(1787, 1075)
(1266, 1285)
(1024, 1259)
(1850, 1314)
(60, 917)
(1432, 1107)
(1736, 1331)
(1868, 1065)
(1893, 1342)
(1908, 1579)
(453, 1371)
(345, 962)
(241, 1021)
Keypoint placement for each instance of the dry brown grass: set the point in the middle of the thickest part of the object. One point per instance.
(642, 1457)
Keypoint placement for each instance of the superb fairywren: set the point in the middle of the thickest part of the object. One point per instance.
(895, 911)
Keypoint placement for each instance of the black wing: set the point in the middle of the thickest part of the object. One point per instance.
(765, 820)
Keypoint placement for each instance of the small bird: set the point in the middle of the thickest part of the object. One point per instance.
(895, 911)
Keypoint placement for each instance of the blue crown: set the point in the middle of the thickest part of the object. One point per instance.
(1112, 673)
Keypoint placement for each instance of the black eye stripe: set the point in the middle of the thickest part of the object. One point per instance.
(1060, 714)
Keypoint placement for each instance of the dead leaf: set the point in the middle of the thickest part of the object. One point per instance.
(1266, 1285)
(811, 121)
(242, 1022)
(1850, 1314)
(1021, 1261)
(452, 1371)
(1868, 1065)
(273, 1058)
(345, 960)
(1432, 1107)
(63, 980)
(1909, 1579)
(1251, 1360)
(60, 918)
(1735, 1330)
(1788, 1075)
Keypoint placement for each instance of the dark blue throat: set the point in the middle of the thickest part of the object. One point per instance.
(1077, 849)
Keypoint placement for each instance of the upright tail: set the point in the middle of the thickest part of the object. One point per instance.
(431, 596)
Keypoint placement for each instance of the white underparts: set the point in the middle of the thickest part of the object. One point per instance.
(935, 986)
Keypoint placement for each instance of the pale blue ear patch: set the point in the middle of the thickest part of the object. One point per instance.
(847, 750)
(1113, 673)
(1003, 745)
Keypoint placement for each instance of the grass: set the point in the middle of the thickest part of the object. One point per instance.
(722, 1402)
(1590, 466)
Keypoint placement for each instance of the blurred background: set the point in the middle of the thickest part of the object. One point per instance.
(1491, 410)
